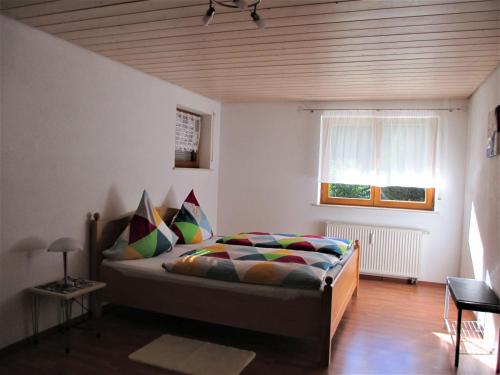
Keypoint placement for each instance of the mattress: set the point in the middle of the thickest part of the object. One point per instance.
(151, 268)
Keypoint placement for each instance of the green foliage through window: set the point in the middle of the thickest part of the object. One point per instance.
(403, 194)
(349, 191)
(388, 193)
(374, 196)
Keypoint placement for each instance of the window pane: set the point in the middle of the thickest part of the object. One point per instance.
(349, 191)
(405, 194)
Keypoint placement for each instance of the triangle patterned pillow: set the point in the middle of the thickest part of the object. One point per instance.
(146, 236)
(191, 224)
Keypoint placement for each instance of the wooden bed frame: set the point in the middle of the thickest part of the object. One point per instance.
(307, 317)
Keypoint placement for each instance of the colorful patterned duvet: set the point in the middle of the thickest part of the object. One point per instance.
(320, 244)
(245, 264)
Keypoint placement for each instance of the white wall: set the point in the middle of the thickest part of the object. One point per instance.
(269, 179)
(481, 231)
(80, 133)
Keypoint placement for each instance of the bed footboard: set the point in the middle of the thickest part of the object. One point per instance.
(336, 297)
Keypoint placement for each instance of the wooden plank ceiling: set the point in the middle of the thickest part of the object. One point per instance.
(310, 49)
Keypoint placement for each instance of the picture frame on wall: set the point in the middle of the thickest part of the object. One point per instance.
(493, 132)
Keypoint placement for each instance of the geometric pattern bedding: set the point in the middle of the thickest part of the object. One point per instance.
(335, 246)
(145, 236)
(191, 223)
(245, 264)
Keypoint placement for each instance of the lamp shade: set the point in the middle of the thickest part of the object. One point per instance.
(65, 244)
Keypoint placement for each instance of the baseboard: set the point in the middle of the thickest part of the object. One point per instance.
(383, 278)
(398, 280)
(432, 283)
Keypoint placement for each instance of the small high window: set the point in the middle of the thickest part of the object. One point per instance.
(193, 139)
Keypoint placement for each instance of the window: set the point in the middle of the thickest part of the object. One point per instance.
(389, 196)
(187, 139)
(379, 159)
(193, 140)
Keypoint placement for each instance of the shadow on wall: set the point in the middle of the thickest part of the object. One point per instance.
(171, 199)
(29, 246)
(114, 206)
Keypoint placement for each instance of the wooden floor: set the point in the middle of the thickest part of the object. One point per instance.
(390, 328)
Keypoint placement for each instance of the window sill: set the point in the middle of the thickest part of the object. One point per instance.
(406, 210)
(192, 169)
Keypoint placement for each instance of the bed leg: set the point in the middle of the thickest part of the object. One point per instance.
(326, 320)
(326, 349)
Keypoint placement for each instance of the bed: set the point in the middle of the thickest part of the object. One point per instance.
(306, 314)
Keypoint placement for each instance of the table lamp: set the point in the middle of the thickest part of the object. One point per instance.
(65, 245)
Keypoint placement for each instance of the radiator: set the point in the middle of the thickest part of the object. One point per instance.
(385, 251)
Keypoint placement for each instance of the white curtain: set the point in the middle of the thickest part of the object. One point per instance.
(343, 136)
(187, 131)
(381, 148)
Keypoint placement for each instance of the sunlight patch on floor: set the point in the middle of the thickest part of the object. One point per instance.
(469, 363)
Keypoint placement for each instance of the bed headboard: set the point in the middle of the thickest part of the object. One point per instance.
(103, 233)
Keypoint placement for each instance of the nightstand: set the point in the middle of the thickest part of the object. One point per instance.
(66, 296)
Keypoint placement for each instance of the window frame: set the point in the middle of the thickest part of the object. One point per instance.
(376, 200)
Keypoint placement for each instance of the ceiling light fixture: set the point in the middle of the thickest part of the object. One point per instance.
(209, 16)
(235, 4)
(256, 18)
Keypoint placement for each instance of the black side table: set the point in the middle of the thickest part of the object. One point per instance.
(469, 294)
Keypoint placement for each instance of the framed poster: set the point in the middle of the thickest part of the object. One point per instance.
(493, 133)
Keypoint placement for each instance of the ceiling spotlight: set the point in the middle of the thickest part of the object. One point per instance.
(256, 18)
(209, 16)
(242, 4)
(247, 5)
